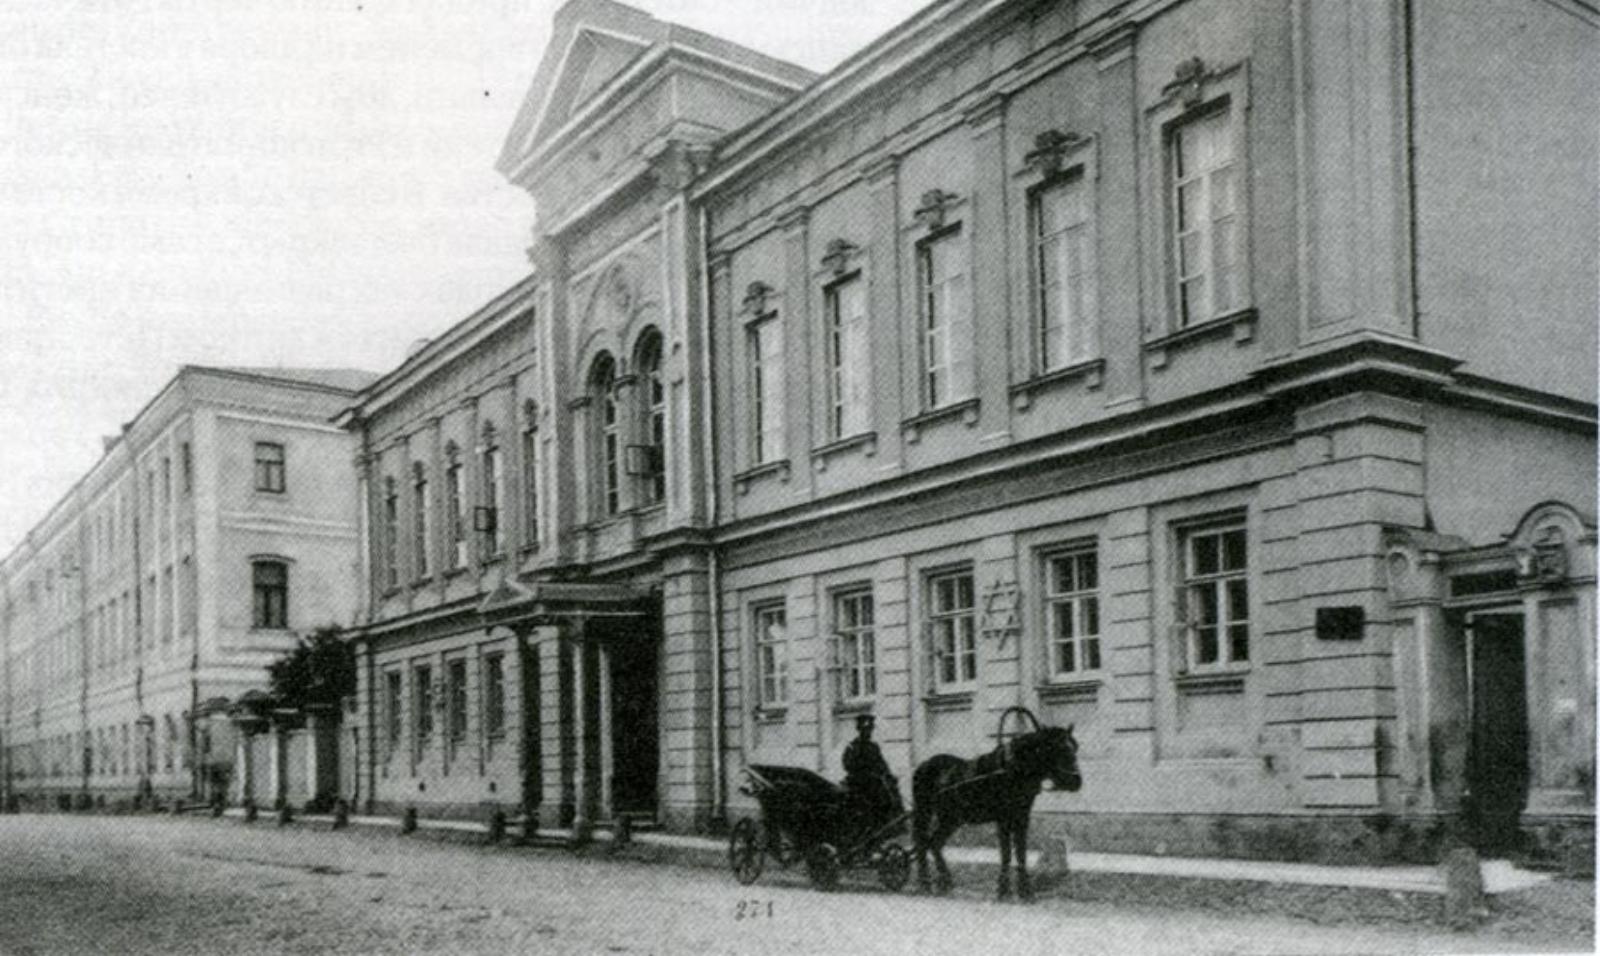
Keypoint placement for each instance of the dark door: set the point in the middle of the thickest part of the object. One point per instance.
(1497, 765)
(635, 737)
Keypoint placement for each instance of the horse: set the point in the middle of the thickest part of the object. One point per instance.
(1000, 786)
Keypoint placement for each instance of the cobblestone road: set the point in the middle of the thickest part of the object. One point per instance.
(154, 885)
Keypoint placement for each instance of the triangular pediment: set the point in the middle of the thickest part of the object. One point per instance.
(598, 52)
(593, 59)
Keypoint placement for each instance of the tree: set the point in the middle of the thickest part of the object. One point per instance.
(321, 670)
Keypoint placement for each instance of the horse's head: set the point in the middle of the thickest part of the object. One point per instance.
(1052, 752)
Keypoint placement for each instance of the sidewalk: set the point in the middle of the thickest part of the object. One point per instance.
(1499, 876)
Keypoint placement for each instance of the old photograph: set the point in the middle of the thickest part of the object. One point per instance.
(734, 477)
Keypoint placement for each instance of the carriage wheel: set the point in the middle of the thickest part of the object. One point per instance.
(822, 865)
(894, 867)
(745, 853)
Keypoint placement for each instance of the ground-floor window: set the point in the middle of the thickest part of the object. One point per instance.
(1216, 595)
(422, 681)
(855, 648)
(952, 631)
(772, 654)
(494, 697)
(1072, 603)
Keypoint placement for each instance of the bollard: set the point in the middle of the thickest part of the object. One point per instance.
(250, 810)
(622, 834)
(217, 807)
(497, 825)
(341, 813)
(176, 809)
(285, 815)
(1463, 883)
(408, 820)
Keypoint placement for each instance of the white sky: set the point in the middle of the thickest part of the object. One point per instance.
(267, 182)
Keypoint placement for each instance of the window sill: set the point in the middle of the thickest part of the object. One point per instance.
(849, 708)
(259, 629)
(1070, 691)
(455, 572)
(743, 479)
(1092, 373)
(1242, 325)
(1208, 683)
(966, 410)
(421, 583)
(392, 590)
(492, 559)
(770, 714)
(948, 700)
(866, 441)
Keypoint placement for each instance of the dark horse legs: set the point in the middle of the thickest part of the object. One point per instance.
(1013, 834)
(929, 837)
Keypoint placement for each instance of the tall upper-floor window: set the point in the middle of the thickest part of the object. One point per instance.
(1064, 272)
(186, 469)
(608, 435)
(764, 351)
(530, 484)
(389, 533)
(456, 509)
(270, 586)
(772, 654)
(849, 374)
(655, 419)
(947, 341)
(1207, 238)
(422, 520)
(1072, 610)
(269, 467)
(1216, 595)
(855, 644)
(166, 480)
(952, 631)
(493, 494)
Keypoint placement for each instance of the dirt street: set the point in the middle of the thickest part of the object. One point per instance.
(135, 885)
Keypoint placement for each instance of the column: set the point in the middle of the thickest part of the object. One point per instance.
(607, 769)
(582, 817)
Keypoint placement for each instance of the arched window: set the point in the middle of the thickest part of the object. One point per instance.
(654, 468)
(455, 506)
(270, 585)
(608, 433)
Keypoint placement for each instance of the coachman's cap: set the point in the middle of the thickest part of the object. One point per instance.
(865, 720)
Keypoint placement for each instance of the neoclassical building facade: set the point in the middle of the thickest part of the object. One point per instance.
(219, 525)
(1141, 363)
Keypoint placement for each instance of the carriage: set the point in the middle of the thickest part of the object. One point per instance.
(807, 818)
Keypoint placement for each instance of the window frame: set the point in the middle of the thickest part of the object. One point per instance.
(422, 704)
(492, 487)
(846, 366)
(456, 506)
(772, 676)
(271, 474)
(457, 705)
(964, 645)
(766, 374)
(394, 722)
(1053, 600)
(389, 533)
(1077, 176)
(264, 610)
(952, 237)
(421, 522)
(651, 355)
(1190, 585)
(1191, 97)
(494, 696)
(855, 673)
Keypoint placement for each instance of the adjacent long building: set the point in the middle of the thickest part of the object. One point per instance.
(1217, 378)
(218, 525)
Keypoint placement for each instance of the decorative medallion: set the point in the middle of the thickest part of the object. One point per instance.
(839, 252)
(756, 295)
